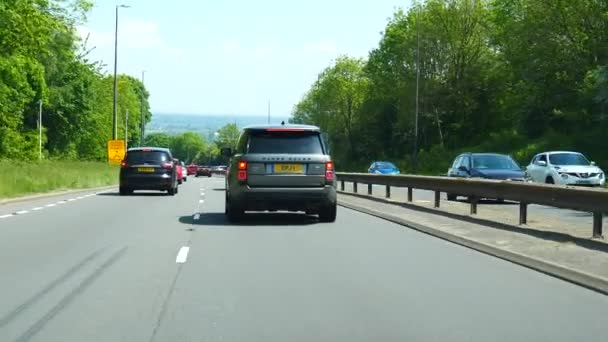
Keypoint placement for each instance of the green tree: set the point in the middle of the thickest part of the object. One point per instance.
(187, 146)
(227, 136)
(158, 140)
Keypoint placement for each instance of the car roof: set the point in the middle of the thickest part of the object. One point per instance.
(486, 154)
(551, 152)
(265, 127)
(160, 149)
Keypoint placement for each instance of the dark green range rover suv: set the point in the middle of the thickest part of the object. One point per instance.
(285, 167)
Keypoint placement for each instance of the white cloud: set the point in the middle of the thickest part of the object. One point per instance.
(231, 45)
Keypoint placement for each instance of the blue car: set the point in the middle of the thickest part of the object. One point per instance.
(383, 168)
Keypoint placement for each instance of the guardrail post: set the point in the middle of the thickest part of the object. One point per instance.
(388, 191)
(473, 200)
(409, 194)
(342, 185)
(523, 213)
(597, 226)
(369, 189)
(437, 198)
(355, 187)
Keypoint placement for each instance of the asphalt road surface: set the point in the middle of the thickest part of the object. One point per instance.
(152, 267)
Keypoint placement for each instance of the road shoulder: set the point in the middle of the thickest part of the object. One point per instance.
(585, 264)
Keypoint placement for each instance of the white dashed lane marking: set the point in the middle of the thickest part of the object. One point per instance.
(196, 216)
(182, 255)
(21, 212)
(201, 201)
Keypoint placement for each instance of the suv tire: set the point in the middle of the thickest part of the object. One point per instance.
(124, 191)
(233, 213)
(172, 191)
(328, 214)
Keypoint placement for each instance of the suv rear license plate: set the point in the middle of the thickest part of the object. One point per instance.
(145, 169)
(288, 168)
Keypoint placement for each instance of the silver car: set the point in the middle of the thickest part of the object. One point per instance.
(285, 167)
(565, 168)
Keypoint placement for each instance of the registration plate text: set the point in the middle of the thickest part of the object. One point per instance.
(288, 168)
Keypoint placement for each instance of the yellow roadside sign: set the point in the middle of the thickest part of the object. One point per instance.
(116, 151)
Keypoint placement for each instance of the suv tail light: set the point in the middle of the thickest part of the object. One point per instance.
(329, 171)
(242, 175)
(124, 164)
(167, 165)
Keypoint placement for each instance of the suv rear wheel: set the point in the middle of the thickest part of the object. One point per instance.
(233, 213)
(124, 191)
(328, 214)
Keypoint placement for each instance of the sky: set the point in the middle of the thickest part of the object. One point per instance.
(229, 56)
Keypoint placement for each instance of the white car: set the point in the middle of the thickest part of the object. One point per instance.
(564, 168)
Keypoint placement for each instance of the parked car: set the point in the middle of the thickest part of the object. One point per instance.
(184, 171)
(203, 171)
(148, 168)
(564, 168)
(180, 171)
(192, 168)
(383, 168)
(485, 165)
(285, 167)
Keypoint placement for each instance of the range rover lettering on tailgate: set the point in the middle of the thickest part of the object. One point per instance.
(281, 168)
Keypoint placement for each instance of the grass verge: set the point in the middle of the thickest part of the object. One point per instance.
(20, 178)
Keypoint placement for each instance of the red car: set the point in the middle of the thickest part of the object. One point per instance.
(203, 171)
(180, 171)
(192, 169)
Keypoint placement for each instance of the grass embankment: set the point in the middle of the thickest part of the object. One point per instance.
(20, 178)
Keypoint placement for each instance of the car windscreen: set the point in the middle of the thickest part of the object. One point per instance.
(147, 157)
(494, 162)
(285, 142)
(385, 165)
(568, 159)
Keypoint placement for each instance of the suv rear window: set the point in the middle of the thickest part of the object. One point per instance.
(285, 142)
(147, 157)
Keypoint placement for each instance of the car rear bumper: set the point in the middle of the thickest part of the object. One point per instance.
(294, 199)
(160, 182)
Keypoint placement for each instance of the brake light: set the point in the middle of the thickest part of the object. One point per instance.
(329, 171)
(242, 174)
(124, 164)
(167, 165)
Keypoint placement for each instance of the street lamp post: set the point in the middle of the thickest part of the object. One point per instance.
(114, 107)
(415, 154)
(40, 131)
(143, 121)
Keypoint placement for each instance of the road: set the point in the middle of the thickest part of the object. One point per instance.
(145, 268)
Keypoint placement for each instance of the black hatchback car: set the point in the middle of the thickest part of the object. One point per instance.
(148, 168)
(485, 165)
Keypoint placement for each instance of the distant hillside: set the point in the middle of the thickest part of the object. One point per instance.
(206, 125)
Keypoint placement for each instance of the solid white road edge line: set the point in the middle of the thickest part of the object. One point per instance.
(37, 208)
(182, 255)
(5, 216)
(21, 212)
(50, 205)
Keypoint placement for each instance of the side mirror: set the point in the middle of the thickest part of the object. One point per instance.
(592, 163)
(463, 168)
(541, 163)
(227, 152)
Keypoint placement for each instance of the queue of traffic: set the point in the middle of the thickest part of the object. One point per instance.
(552, 167)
